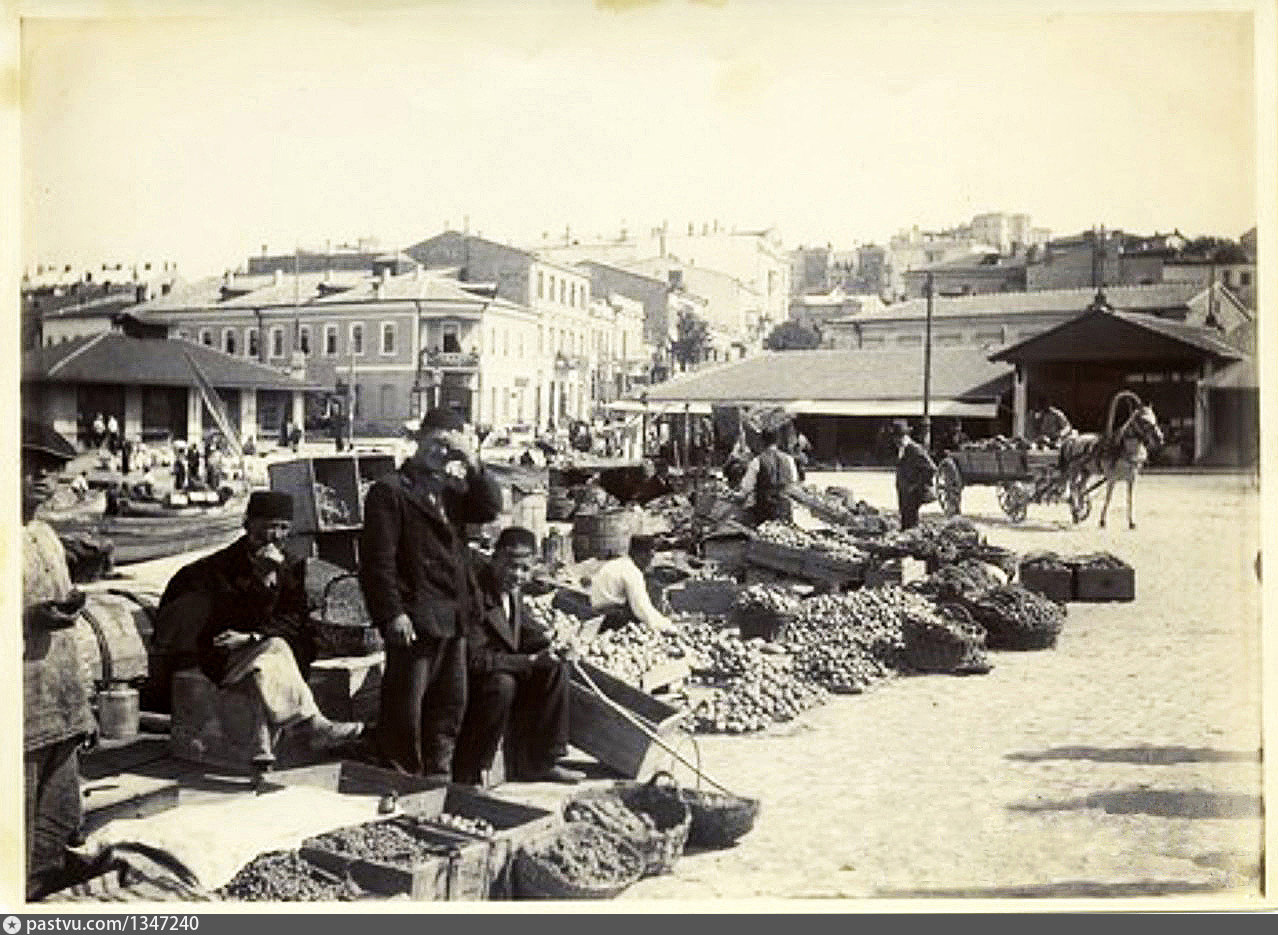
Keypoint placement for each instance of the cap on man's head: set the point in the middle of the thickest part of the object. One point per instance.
(642, 543)
(900, 427)
(41, 439)
(440, 419)
(270, 504)
(516, 539)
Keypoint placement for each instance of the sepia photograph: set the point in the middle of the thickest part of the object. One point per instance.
(638, 455)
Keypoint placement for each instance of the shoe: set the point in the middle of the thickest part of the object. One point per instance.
(335, 736)
(556, 773)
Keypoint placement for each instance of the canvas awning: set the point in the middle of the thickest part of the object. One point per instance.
(887, 408)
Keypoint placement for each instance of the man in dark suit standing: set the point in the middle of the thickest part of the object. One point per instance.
(420, 589)
(914, 472)
(513, 677)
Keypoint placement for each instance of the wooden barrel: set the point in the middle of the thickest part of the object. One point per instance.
(110, 636)
(600, 535)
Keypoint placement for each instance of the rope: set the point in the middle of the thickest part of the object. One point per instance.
(696, 768)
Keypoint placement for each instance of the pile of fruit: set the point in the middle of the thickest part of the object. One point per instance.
(1046, 561)
(847, 642)
(610, 814)
(630, 651)
(584, 854)
(478, 827)
(559, 626)
(284, 876)
(769, 598)
(1015, 618)
(399, 842)
(783, 534)
(997, 443)
(950, 582)
(1098, 561)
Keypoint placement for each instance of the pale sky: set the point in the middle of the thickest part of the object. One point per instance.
(201, 140)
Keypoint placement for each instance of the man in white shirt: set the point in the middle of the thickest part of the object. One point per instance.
(618, 589)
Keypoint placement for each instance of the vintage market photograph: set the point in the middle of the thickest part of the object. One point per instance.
(640, 455)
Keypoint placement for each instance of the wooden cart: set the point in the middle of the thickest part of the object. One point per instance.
(1022, 478)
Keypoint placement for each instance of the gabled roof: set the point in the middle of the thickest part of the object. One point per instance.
(1158, 297)
(617, 267)
(780, 376)
(1109, 335)
(116, 359)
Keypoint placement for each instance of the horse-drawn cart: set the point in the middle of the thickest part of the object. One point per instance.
(1022, 478)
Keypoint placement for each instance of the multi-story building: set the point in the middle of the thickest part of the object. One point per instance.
(618, 354)
(810, 270)
(985, 271)
(64, 301)
(994, 319)
(652, 292)
(734, 311)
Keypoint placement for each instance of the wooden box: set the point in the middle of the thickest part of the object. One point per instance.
(727, 549)
(348, 688)
(881, 573)
(338, 640)
(460, 871)
(1054, 583)
(780, 558)
(665, 675)
(1104, 584)
(513, 825)
(820, 566)
(712, 596)
(596, 728)
(759, 623)
(416, 796)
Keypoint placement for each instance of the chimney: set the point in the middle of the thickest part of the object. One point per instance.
(279, 277)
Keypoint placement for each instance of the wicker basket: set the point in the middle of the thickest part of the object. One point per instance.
(535, 877)
(718, 820)
(664, 843)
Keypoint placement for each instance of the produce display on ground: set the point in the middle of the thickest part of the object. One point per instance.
(790, 536)
(392, 841)
(478, 827)
(585, 855)
(284, 876)
(953, 581)
(771, 598)
(611, 815)
(1016, 618)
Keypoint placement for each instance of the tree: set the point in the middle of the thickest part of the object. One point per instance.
(692, 339)
(792, 336)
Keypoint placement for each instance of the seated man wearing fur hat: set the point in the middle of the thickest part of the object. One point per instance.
(242, 611)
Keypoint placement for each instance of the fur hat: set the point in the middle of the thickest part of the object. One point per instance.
(270, 504)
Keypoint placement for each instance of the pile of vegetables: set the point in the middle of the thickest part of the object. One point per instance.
(1016, 618)
(767, 598)
(950, 582)
(783, 534)
(585, 854)
(1099, 561)
(284, 876)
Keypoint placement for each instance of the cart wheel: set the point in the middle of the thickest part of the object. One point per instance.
(1014, 499)
(1080, 502)
(949, 487)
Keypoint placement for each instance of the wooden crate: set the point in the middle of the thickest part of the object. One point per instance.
(728, 549)
(596, 728)
(712, 596)
(417, 796)
(1092, 585)
(759, 623)
(514, 824)
(820, 566)
(348, 688)
(299, 476)
(1054, 583)
(881, 573)
(780, 558)
(461, 873)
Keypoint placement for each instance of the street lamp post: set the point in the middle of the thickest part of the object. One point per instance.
(927, 368)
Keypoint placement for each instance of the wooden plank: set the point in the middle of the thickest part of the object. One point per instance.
(599, 730)
(665, 674)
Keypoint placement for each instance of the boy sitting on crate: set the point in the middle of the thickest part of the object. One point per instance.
(514, 678)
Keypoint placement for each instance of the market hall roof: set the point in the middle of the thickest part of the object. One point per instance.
(1160, 297)
(847, 382)
(119, 359)
(1103, 334)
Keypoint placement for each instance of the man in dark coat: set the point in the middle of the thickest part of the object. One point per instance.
(240, 614)
(914, 472)
(513, 677)
(420, 588)
(767, 477)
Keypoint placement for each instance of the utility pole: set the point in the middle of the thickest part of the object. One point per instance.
(927, 367)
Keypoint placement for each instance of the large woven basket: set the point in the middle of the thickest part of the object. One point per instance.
(535, 877)
(661, 846)
(959, 651)
(718, 819)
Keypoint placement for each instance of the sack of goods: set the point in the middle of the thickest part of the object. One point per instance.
(1016, 618)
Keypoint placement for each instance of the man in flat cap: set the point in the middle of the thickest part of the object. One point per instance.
(56, 714)
(240, 614)
(421, 592)
(914, 472)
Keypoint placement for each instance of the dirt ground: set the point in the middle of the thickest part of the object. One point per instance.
(1125, 762)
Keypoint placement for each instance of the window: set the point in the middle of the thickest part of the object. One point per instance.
(541, 277)
(304, 339)
(330, 340)
(451, 344)
(277, 341)
(1244, 277)
(206, 337)
(493, 414)
(541, 339)
(228, 340)
(357, 338)
(563, 291)
(250, 342)
(572, 294)
(388, 337)
(355, 400)
(505, 342)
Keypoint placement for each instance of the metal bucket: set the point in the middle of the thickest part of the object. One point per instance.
(118, 712)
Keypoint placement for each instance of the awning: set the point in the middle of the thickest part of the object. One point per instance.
(886, 408)
(665, 407)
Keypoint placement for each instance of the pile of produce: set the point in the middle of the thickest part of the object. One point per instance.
(847, 642)
(936, 641)
(394, 841)
(478, 827)
(766, 598)
(611, 815)
(839, 545)
(561, 627)
(283, 876)
(631, 651)
(997, 443)
(783, 534)
(675, 512)
(1098, 561)
(345, 604)
(584, 854)
(950, 582)
(1016, 618)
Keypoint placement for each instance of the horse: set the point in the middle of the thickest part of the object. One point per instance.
(1115, 455)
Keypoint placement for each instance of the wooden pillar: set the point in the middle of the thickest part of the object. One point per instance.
(297, 402)
(1020, 400)
(1202, 414)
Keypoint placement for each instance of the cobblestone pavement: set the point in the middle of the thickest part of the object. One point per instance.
(1125, 762)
